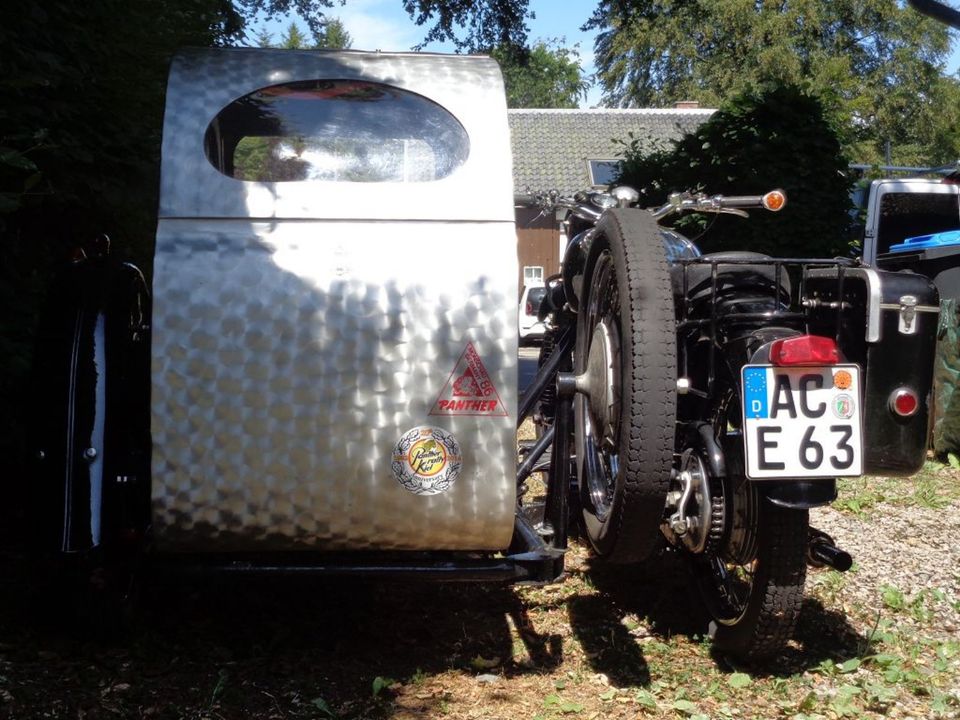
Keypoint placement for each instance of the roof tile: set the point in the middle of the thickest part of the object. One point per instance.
(551, 148)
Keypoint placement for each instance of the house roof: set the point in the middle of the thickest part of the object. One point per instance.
(551, 148)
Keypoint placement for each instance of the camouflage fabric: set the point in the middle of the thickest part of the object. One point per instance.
(946, 378)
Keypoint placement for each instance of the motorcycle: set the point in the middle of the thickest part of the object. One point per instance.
(708, 402)
(301, 390)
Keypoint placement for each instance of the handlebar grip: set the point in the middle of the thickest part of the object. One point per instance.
(744, 201)
(525, 199)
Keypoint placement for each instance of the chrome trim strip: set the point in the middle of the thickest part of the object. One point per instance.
(873, 304)
(71, 419)
(917, 308)
(874, 296)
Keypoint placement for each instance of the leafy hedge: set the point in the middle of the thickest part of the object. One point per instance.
(776, 137)
(81, 106)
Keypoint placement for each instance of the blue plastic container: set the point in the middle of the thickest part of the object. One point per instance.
(923, 242)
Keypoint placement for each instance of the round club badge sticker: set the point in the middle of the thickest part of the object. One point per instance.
(426, 460)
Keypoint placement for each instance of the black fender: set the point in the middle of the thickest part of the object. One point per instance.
(799, 494)
(90, 424)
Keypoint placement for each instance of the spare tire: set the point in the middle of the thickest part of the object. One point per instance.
(626, 345)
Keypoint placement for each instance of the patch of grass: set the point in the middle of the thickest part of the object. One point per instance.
(859, 496)
(935, 487)
(380, 684)
(924, 607)
(931, 491)
(555, 705)
(828, 585)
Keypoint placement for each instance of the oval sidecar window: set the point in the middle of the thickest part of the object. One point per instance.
(335, 130)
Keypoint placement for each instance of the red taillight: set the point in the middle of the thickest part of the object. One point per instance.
(804, 350)
(529, 308)
(904, 402)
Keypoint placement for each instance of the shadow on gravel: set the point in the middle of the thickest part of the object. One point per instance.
(662, 591)
(286, 648)
(262, 648)
(821, 634)
(655, 590)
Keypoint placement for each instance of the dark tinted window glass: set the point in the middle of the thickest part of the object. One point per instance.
(335, 130)
(604, 172)
(904, 215)
(536, 294)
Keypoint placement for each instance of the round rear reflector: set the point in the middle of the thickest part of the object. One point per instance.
(904, 402)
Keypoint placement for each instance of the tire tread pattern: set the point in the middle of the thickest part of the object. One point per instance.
(774, 607)
(648, 405)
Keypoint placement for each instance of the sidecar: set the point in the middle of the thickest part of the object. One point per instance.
(327, 380)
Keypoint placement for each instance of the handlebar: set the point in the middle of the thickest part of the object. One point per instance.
(579, 205)
(552, 200)
(775, 200)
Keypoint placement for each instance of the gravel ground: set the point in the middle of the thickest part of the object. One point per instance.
(912, 548)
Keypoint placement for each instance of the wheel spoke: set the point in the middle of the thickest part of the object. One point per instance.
(602, 449)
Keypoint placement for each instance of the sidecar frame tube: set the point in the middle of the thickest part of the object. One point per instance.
(530, 561)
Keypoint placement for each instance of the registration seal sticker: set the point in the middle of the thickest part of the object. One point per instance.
(842, 380)
(843, 406)
(426, 460)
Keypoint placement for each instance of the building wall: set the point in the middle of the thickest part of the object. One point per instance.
(538, 242)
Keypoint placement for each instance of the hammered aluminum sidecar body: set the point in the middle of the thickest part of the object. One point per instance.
(334, 347)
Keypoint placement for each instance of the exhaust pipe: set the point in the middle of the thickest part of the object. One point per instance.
(821, 551)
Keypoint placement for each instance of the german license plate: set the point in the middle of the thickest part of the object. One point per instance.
(802, 422)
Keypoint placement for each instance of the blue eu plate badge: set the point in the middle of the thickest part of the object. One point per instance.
(755, 392)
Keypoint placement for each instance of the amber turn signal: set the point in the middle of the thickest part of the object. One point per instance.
(774, 200)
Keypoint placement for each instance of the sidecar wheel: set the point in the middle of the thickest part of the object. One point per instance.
(626, 350)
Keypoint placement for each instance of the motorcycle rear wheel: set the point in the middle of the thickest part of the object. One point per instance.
(625, 429)
(755, 605)
(752, 581)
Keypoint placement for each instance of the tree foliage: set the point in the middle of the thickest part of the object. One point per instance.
(334, 36)
(780, 137)
(81, 106)
(548, 76)
(468, 24)
(876, 64)
(293, 38)
(472, 24)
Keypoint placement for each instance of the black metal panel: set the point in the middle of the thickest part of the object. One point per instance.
(90, 424)
(892, 445)
(941, 264)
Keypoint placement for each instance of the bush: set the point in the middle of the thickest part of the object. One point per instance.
(777, 137)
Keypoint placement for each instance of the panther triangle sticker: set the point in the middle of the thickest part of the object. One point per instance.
(469, 390)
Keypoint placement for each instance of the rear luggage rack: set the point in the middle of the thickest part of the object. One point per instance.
(786, 304)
